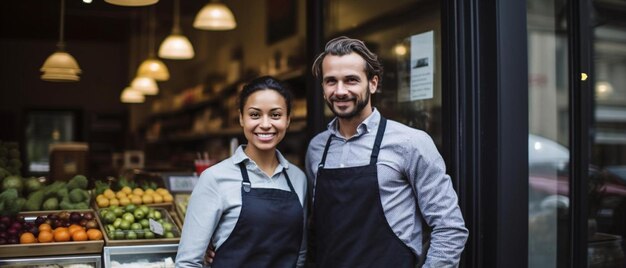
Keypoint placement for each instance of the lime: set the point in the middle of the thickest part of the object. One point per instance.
(124, 225)
(148, 234)
(145, 223)
(169, 235)
(131, 235)
(119, 234)
(130, 208)
(167, 226)
(136, 226)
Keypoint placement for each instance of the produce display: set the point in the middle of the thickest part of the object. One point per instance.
(181, 203)
(136, 196)
(62, 226)
(132, 222)
(10, 162)
(31, 194)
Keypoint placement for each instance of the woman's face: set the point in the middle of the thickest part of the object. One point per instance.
(264, 120)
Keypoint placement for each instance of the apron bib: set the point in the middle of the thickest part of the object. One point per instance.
(349, 222)
(269, 230)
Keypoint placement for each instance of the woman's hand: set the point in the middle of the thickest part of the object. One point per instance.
(209, 255)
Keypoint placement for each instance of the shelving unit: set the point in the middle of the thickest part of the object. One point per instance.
(208, 121)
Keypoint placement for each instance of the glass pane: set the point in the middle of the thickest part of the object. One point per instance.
(43, 129)
(410, 50)
(607, 180)
(548, 153)
(344, 15)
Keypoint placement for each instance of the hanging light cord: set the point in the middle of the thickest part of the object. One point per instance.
(151, 24)
(61, 44)
(176, 29)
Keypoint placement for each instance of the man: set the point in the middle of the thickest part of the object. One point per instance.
(375, 180)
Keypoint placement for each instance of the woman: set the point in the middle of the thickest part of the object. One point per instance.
(249, 207)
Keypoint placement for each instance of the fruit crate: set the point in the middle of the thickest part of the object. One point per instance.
(53, 248)
(110, 241)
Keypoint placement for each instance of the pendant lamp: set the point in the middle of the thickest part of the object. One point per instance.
(132, 3)
(145, 85)
(130, 95)
(215, 16)
(153, 67)
(60, 66)
(176, 46)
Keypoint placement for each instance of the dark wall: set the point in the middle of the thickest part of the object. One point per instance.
(105, 74)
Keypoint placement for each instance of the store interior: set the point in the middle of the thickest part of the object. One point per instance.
(193, 110)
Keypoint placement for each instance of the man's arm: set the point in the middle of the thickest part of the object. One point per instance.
(438, 203)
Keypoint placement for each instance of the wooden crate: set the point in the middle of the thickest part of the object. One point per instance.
(125, 242)
(54, 248)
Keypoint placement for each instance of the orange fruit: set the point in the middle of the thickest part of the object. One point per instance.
(94, 234)
(80, 235)
(45, 227)
(61, 235)
(45, 236)
(27, 238)
(75, 227)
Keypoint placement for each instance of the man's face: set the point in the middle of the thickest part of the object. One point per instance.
(346, 88)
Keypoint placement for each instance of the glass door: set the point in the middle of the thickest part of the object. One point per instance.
(548, 137)
(607, 178)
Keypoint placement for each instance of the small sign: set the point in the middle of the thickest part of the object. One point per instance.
(156, 227)
(182, 183)
(422, 66)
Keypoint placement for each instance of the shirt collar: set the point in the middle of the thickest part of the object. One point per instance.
(241, 156)
(368, 125)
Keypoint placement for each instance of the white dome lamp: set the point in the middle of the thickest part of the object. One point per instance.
(130, 95)
(176, 46)
(132, 3)
(145, 85)
(61, 66)
(215, 16)
(153, 67)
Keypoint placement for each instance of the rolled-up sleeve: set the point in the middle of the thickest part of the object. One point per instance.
(203, 214)
(438, 203)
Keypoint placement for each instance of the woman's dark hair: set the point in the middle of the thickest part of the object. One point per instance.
(264, 83)
(342, 46)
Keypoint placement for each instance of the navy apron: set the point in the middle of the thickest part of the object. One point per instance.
(350, 228)
(269, 230)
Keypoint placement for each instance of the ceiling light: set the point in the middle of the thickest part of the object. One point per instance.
(153, 68)
(132, 3)
(215, 16)
(60, 66)
(129, 95)
(145, 85)
(176, 46)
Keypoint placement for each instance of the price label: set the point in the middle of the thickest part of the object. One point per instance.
(182, 183)
(156, 227)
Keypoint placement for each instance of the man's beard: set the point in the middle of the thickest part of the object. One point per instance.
(360, 105)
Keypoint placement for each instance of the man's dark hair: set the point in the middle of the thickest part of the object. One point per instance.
(342, 46)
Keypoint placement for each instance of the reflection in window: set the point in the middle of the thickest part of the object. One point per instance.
(45, 128)
(398, 25)
(548, 152)
(607, 183)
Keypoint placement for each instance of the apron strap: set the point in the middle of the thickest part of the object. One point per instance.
(288, 180)
(323, 161)
(378, 141)
(246, 181)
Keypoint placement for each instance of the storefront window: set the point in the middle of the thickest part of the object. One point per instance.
(45, 128)
(607, 179)
(548, 138)
(406, 35)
